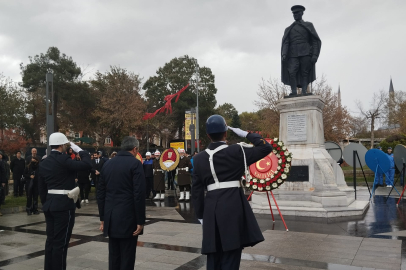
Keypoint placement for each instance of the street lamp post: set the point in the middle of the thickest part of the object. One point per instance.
(49, 78)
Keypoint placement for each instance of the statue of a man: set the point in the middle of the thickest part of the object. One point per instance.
(300, 50)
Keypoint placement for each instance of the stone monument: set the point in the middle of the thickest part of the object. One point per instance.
(316, 185)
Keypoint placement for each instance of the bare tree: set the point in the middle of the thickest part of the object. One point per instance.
(336, 118)
(376, 111)
(358, 126)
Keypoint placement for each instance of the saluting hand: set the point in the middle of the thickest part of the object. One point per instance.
(239, 132)
(139, 230)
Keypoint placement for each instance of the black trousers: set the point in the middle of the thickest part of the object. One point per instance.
(122, 253)
(18, 187)
(31, 189)
(84, 190)
(302, 64)
(223, 260)
(228, 260)
(59, 231)
(184, 187)
(149, 181)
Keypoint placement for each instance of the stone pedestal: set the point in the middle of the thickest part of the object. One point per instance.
(325, 193)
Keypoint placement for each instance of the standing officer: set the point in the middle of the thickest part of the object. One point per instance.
(57, 178)
(391, 173)
(229, 224)
(183, 171)
(159, 178)
(149, 174)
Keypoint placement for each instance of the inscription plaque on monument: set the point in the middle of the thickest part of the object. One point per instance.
(298, 174)
(297, 128)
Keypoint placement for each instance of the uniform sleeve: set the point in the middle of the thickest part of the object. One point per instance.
(139, 193)
(261, 149)
(42, 187)
(101, 196)
(83, 165)
(198, 193)
(285, 45)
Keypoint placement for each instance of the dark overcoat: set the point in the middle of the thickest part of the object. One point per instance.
(159, 176)
(59, 171)
(226, 210)
(183, 175)
(315, 52)
(121, 195)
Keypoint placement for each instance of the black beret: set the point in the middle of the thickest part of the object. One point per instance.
(298, 8)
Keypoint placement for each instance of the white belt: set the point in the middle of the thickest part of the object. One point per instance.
(221, 185)
(72, 194)
(59, 191)
(158, 170)
(182, 169)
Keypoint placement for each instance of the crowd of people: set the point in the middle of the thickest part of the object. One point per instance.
(123, 184)
(25, 176)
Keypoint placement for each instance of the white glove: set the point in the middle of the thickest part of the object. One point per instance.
(177, 171)
(239, 132)
(187, 169)
(75, 148)
(201, 221)
(74, 194)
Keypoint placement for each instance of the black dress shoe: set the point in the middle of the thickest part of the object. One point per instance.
(36, 212)
(29, 213)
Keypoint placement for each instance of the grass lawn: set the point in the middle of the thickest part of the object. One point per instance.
(350, 180)
(349, 168)
(12, 201)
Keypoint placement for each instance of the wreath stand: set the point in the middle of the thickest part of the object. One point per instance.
(270, 207)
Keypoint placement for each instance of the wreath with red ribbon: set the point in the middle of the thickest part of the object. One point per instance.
(271, 171)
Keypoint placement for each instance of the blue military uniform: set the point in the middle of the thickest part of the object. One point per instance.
(229, 224)
(391, 173)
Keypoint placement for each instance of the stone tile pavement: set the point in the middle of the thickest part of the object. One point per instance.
(172, 240)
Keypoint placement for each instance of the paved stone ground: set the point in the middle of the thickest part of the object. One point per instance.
(172, 240)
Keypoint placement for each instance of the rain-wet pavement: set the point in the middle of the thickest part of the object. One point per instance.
(172, 239)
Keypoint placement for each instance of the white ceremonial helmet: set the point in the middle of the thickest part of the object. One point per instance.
(157, 153)
(148, 154)
(181, 150)
(58, 138)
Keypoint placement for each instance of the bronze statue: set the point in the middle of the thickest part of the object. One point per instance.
(300, 51)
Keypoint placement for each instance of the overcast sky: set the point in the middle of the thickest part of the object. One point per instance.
(363, 41)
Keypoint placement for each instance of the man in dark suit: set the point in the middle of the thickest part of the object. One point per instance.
(57, 178)
(229, 224)
(121, 199)
(97, 165)
(33, 154)
(17, 166)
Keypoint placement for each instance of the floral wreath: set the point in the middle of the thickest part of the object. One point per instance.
(278, 177)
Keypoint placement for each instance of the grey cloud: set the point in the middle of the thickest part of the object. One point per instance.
(363, 41)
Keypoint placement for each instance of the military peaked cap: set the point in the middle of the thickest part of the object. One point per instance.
(298, 8)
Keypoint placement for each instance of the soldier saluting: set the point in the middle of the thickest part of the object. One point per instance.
(57, 178)
(229, 224)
